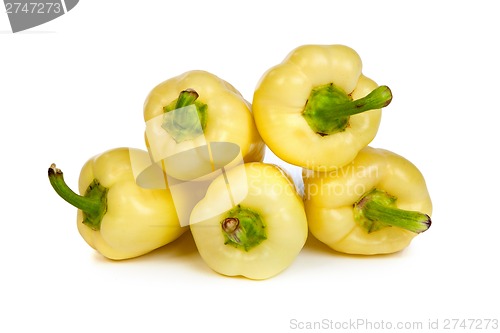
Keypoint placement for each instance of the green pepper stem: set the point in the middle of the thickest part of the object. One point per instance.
(377, 210)
(186, 97)
(243, 228)
(186, 117)
(328, 108)
(377, 99)
(93, 204)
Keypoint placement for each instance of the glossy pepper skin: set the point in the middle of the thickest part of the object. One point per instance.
(223, 114)
(316, 109)
(116, 216)
(260, 234)
(377, 204)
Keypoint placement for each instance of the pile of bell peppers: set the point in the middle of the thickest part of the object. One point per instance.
(202, 170)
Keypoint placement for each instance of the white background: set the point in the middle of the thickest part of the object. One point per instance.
(74, 87)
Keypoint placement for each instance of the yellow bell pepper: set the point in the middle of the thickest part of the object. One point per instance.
(376, 204)
(251, 222)
(116, 216)
(193, 110)
(316, 109)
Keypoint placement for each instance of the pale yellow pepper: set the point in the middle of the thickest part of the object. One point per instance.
(250, 223)
(376, 204)
(316, 109)
(193, 110)
(116, 216)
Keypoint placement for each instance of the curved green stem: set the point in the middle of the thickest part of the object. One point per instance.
(328, 107)
(93, 204)
(377, 209)
(186, 117)
(243, 228)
